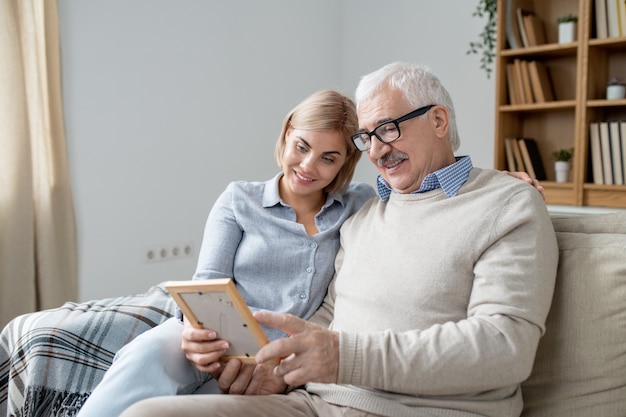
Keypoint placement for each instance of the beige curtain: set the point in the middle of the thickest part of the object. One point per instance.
(38, 267)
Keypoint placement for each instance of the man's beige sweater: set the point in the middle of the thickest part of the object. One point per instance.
(440, 302)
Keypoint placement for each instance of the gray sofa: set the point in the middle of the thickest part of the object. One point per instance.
(580, 368)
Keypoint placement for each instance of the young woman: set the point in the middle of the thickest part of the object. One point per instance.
(277, 239)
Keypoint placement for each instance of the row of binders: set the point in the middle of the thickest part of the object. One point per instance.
(522, 154)
(610, 18)
(607, 140)
(528, 82)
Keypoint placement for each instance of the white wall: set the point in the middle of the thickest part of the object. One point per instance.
(166, 102)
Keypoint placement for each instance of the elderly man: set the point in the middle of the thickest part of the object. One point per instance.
(441, 291)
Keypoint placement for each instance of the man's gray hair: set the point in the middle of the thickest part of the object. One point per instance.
(419, 85)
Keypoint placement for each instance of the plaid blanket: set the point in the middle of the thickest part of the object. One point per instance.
(51, 360)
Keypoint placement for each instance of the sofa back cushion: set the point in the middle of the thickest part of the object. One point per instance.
(580, 368)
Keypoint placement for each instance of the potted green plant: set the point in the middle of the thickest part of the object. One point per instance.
(567, 18)
(562, 159)
(567, 28)
(615, 89)
(564, 154)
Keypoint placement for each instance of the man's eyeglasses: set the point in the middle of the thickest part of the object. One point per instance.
(386, 132)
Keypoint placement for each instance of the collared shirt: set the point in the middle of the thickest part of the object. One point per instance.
(251, 235)
(449, 178)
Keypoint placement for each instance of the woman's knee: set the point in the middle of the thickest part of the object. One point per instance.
(160, 343)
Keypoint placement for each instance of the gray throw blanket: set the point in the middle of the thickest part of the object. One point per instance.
(50, 361)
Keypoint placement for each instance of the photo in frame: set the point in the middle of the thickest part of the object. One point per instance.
(216, 304)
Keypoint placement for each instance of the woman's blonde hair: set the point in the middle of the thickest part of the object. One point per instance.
(325, 110)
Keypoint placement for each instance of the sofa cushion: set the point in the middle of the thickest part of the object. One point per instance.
(580, 368)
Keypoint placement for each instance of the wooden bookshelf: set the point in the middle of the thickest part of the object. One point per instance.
(578, 73)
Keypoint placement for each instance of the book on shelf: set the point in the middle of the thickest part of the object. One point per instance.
(519, 84)
(510, 156)
(596, 153)
(621, 13)
(535, 32)
(512, 28)
(602, 30)
(526, 158)
(546, 83)
(517, 154)
(622, 130)
(612, 15)
(540, 81)
(519, 14)
(616, 153)
(605, 149)
(528, 89)
(532, 158)
(510, 82)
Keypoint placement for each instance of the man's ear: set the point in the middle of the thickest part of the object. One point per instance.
(441, 117)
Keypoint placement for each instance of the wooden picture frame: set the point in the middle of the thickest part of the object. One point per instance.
(216, 304)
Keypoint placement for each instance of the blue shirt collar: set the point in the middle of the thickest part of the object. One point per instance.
(271, 196)
(449, 179)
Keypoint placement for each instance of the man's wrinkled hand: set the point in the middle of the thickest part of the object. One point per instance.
(239, 378)
(309, 354)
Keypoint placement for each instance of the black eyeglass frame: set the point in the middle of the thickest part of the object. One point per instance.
(359, 136)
